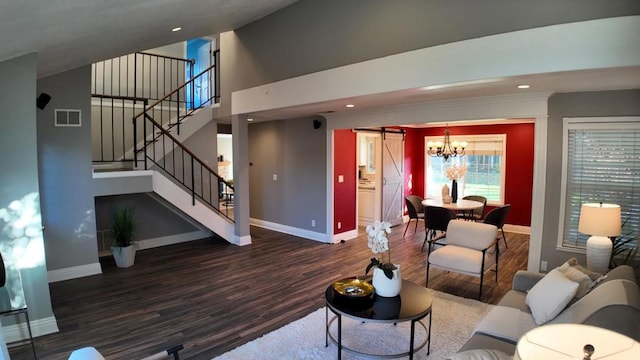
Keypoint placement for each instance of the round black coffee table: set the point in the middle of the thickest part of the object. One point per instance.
(413, 304)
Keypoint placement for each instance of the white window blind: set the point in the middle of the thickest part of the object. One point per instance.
(602, 164)
(485, 161)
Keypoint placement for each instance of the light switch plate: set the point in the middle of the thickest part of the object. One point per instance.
(340, 178)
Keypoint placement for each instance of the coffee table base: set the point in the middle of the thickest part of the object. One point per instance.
(412, 348)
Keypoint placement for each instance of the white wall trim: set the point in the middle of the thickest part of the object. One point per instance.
(347, 235)
(325, 238)
(517, 229)
(172, 239)
(74, 272)
(39, 327)
(538, 193)
(242, 240)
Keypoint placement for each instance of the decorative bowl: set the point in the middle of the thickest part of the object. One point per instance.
(353, 290)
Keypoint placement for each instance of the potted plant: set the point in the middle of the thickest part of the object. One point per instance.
(123, 228)
(386, 275)
(624, 248)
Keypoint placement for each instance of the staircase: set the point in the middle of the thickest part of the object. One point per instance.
(138, 142)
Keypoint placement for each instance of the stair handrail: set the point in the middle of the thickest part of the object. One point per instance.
(167, 96)
(193, 157)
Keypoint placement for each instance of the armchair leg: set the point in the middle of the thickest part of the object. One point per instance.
(406, 228)
(504, 238)
(481, 278)
(426, 282)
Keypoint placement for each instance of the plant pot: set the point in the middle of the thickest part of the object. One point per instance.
(124, 256)
(383, 285)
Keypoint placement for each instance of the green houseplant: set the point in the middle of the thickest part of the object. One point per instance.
(624, 247)
(124, 228)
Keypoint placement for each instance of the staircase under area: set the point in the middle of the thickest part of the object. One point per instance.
(138, 142)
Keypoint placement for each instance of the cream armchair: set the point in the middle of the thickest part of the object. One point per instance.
(470, 249)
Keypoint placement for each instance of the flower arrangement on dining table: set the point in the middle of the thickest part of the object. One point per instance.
(379, 244)
(455, 172)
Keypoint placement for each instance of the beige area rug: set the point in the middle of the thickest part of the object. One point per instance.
(454, 319)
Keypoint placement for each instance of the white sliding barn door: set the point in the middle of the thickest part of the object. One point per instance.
(392, 177)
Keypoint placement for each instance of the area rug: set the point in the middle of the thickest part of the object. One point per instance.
(454, 319)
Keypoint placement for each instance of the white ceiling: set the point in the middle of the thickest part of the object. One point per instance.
(71, 33)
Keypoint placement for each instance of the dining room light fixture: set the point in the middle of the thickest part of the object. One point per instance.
(446, 149)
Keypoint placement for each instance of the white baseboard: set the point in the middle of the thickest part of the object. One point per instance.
(292, 230)
(518, 229)
(74, 272)
(172, 239)
(347, 235)
(39, 327)
(93, 269)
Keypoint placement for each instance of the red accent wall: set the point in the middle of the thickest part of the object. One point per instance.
(519, 163)
(344, 193)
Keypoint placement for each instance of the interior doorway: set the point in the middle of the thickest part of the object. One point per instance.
(201, 51)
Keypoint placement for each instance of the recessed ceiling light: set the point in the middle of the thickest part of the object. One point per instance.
(350, 105)
(176, 29)
(249, 119)
(523, 86)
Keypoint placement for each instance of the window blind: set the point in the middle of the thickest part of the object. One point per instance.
(602, 165)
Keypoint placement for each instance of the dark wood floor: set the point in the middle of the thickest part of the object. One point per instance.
(212, 296)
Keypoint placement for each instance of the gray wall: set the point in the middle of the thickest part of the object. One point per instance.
(65, 172)
(603, 103)
(295, 152)
(19, 180)
(155, 218)
(314, 35)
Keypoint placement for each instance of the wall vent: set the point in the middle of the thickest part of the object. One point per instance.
(68, 117)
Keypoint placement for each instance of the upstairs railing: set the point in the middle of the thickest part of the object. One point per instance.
(147, 139)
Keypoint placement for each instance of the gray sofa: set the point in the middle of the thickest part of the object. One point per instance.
(613, 303)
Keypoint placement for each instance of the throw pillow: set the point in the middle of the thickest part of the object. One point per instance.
(594, 276)
(550, 295)
(481, 354)
(584, 281)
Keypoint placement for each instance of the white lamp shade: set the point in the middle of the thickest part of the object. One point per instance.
(600, 219)
(567, 341)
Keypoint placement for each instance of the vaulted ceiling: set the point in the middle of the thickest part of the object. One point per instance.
(70, 33)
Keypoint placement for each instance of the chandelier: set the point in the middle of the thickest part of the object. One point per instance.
(447, 148)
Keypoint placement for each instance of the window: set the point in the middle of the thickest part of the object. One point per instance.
(601, 163)
(485, 162)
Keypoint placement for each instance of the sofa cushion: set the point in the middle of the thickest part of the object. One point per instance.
(515, 299)
(482, 341)
(550, 295)
(613, 292)
(506, 323)
(481, 354)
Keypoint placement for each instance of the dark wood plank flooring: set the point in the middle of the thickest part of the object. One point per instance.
(212, 296)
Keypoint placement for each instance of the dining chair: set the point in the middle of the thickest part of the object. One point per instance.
(497, 217)
(436, 218)
(414, 209)
(469, 248)
(475, 214)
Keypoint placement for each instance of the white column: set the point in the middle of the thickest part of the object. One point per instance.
(240, 141)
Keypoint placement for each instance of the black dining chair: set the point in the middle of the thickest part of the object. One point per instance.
(475, 214)
(497, 217)
(436, 218)
(414, 209)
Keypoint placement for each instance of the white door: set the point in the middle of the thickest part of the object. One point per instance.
(392, 177)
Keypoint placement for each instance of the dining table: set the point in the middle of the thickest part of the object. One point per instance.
(462, 206)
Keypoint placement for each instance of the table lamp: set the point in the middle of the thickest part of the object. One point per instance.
(600, 221)
(575, 341)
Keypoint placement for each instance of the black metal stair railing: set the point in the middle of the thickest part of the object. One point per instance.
(167, 153)
(117, 139)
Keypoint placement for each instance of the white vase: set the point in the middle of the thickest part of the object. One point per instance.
(124, 256)
(383, 285)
